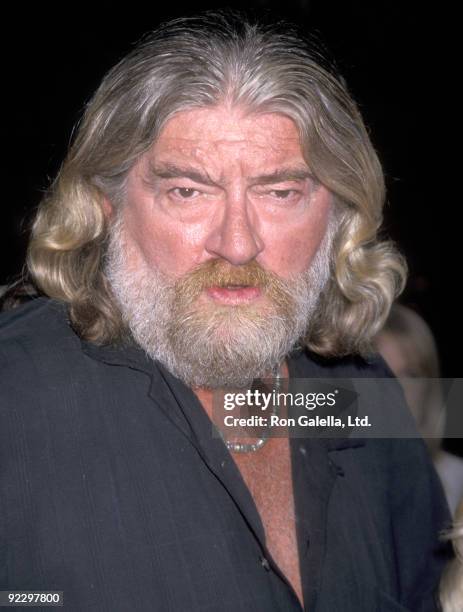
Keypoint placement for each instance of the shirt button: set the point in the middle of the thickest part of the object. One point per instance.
(265, 564)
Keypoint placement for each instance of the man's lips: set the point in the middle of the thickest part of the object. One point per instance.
(234, 294)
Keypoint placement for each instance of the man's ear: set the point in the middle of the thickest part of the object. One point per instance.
(107, 207)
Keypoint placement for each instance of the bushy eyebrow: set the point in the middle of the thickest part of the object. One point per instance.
(170, 170)
(282, 175)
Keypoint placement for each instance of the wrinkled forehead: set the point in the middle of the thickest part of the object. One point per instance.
(221, 135)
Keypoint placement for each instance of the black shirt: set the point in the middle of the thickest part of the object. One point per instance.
(115, 491)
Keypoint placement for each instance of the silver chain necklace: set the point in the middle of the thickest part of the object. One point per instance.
(240, 447)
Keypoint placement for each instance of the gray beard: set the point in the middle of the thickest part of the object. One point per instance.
(223, 347)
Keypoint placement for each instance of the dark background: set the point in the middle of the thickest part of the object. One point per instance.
(390, 55)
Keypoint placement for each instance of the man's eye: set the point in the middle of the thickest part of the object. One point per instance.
(282, 194)
(185, 193)
(285, 195)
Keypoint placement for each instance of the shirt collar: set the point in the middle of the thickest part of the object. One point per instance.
(301, 364)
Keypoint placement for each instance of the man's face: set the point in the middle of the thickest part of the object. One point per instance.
(214, 259)
(221, 200)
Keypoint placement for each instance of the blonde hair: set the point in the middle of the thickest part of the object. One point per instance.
(416, 340)
(203, 62)
(451, 586)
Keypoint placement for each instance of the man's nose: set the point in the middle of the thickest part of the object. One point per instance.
(235, 237)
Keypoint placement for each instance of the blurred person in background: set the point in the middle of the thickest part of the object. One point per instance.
(408, 346)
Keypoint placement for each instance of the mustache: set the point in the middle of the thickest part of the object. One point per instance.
(219, 273)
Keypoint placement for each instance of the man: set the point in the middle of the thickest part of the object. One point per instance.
(214, 223)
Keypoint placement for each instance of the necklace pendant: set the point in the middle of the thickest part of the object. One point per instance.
(241, 447)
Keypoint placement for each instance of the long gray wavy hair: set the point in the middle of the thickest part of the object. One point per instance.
(203, 62)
